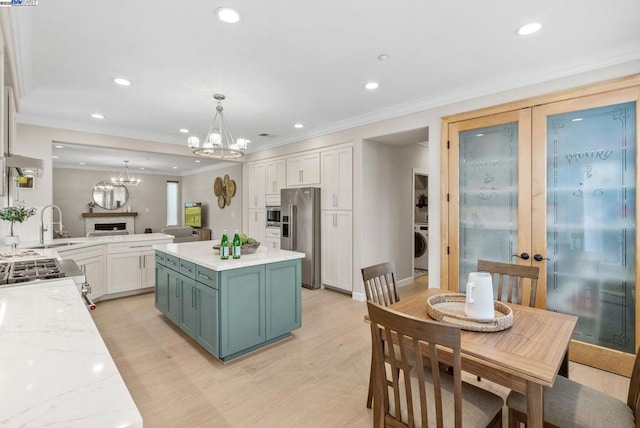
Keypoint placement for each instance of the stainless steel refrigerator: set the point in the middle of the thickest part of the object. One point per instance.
(300, 223)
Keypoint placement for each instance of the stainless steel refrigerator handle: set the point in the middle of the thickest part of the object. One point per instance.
(293, 220)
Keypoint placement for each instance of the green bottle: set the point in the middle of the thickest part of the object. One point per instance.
(236, 245)
(224, 246)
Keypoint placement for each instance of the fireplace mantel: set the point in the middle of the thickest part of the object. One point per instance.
(118, 214)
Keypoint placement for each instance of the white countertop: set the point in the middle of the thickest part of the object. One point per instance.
(93, 240)
(203, 254)
(55, 370)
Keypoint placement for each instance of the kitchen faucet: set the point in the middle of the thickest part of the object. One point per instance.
(43, 229)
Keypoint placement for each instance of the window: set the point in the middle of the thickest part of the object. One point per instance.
(172, 203)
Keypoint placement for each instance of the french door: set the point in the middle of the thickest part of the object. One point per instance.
(554, 186)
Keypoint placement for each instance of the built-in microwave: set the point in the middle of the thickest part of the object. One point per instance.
(273, 217)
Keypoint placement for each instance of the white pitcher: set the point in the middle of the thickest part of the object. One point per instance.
(479, 303)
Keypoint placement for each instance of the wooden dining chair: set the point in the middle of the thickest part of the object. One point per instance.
(571, 404)
(425, 396)
(380, 287)
(511, 281)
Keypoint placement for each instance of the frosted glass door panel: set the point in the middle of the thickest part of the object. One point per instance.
(488, 196)
(591, 222)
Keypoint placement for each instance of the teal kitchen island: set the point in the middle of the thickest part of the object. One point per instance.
(230, 307)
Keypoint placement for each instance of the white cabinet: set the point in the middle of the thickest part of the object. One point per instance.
(337, 251)
(337, 182)
(91, 261)
(275, 178)
(257, 185)
(257, 225)
(273, 238)
(303, 170)
(131, 266)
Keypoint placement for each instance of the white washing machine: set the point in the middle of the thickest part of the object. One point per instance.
(421, 246)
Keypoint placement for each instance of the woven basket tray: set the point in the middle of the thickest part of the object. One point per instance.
(450, 308)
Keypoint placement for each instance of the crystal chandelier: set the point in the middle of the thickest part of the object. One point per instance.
(219, 143)
(124, 179)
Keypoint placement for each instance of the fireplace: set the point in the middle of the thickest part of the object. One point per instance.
(103, 222)
(110, 226)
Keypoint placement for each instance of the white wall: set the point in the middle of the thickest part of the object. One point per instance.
(387, 231)
(73, 189)
(199, 188)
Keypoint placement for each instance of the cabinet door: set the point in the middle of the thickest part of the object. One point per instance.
(257, 186)
(147, 275)
(162, 288)
(275, 177)
(123, 272)
(94, 271)
(273, 243)
(337, 252)
(337, 187)
(174, 291)
(303, 170)
(242, 309)
(283, 298)
(207, 318)
(187, 305)
(257, 225)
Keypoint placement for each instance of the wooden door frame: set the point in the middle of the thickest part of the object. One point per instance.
(615, 361)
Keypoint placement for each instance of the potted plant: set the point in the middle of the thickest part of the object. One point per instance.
(15, 214)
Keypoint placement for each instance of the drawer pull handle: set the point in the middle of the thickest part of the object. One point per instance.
(204, 276)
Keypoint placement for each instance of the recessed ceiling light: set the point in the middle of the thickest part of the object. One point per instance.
(82, 163)
(97, 116)
(228, 15)
(184, 130)
(122, 82)
(298, 125)
(141, 167)
(372, 85)
(197, 161)
(530, 28)
(58, 146)
(383, 57)
(55, 157)
(174, 167)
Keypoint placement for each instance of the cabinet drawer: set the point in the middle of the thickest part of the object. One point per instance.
(207, 276)
(172, 262)
(160, 258)
(273, 232)
(188, 269)
(128, 247)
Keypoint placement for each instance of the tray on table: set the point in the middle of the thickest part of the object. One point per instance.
(449, 307)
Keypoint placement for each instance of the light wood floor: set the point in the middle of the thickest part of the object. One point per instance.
(316, 378)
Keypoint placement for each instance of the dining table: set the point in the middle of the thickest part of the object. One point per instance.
(525, 357)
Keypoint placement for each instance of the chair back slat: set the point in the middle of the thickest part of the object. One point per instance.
(380, 283)
(633, 398)
(521, 282)
(410, 335)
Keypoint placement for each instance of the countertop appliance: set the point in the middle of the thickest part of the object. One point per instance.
(300, 230)
(273, 217)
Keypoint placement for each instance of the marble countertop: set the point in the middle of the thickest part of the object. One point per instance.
(55, 370)
(93, 240)
(203, 254)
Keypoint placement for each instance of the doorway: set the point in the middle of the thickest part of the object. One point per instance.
(420, 225)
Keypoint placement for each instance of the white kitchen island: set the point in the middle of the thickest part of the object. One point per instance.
(55, 370)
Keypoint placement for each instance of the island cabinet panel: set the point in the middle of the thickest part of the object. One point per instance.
(242, 309)
(162, 287)
(283, 294)
(230, 312)
(207, 318)
(173, 297)
(188, 305)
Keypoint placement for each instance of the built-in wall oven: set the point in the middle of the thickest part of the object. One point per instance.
(273, 217)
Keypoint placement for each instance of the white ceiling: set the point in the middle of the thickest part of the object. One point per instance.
(287, 62)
